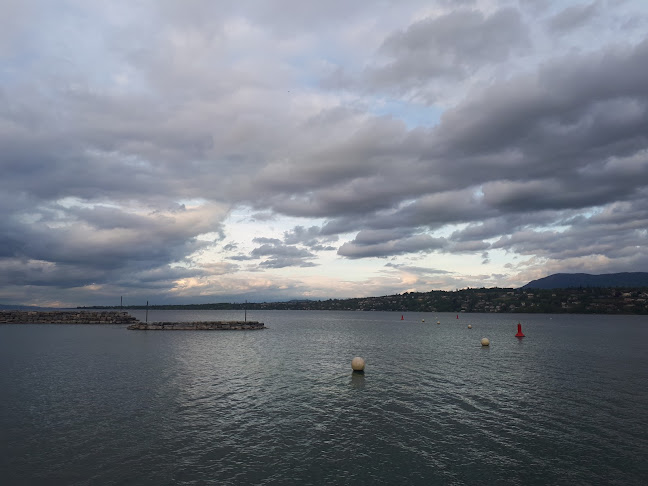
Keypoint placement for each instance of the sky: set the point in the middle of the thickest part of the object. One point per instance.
(212, 151)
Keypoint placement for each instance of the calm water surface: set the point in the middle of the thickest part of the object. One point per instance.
(102, 405)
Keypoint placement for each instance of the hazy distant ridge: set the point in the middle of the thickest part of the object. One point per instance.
(571, 280)
(26, 307)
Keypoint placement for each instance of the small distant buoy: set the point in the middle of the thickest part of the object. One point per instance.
(402, 318)
(519, 333)
(422, 320)
(438, 322)
(485, 342)
(457, 316)
(469, 326)
(357, 364)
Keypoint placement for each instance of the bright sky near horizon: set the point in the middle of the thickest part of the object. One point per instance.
(208, 151)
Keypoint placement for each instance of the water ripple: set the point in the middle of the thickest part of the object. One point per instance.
(99, 405)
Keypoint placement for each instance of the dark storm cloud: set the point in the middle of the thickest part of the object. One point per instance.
(387, 243)
(494, 227)
(278, 255)
(23, 272)
(283, 262)
(109, 129)
(452, 44)
(242, 257)
(571, 110)
(443, 207)
(267, 241)
(300, 234)
(417, 270)
(467, 246)
(447, 47)
(280, 250)
(572, 136)
(565, 134)
(618, 232)
(310, 237)
(77, 246)
(571, 244)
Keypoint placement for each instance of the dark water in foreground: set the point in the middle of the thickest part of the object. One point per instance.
(103, 405)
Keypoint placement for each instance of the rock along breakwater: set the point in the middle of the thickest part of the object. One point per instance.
(198, 326)
(115, 317)
(65, 317)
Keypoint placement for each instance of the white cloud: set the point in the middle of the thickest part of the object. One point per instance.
(146, 146)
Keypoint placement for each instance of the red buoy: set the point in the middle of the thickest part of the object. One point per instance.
(401, 318)
(457, 316)
(519, 333)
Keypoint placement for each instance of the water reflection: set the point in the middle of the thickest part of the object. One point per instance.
(357, 380)
(274, 407)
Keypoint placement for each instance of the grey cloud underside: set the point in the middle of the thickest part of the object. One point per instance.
(452, 45)
(415, 269)
(567, 136)
(278, 255)
(77, 246)
(311, 237)
(295, 250)
(370, 244)
(571, 136)
(573, 17)
(562, 146)
(431, 52)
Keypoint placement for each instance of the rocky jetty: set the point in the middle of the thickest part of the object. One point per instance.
(65, 317)
(114, 317)
(198, 326)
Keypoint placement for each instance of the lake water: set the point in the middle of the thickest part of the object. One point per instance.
(91, 404)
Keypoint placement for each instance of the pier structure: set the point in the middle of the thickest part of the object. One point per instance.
(115, 317)
(65, 317)
(198, 326)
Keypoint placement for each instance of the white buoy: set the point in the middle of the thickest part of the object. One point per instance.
(485, 342)
(469, 326)
(357, 364)
(438, 322)
(422, 320)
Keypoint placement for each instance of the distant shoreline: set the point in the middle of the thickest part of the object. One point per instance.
(586, 300)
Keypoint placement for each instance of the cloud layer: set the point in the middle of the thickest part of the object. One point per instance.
(274, 150)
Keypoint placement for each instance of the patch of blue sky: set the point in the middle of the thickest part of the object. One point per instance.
(447, 230)
(69, 202)
(413, 114)
(66, 43)
(29, 218)
(241, 225)
(19, 58)
(552, 228)
(193, 202)
(305, 75)
(593, 211)
(212, 236)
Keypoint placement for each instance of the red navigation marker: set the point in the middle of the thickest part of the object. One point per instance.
(402, 318)
(519, 333)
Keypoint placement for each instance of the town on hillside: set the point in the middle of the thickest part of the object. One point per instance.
(584, 300)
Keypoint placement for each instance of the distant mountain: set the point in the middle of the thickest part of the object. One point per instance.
(25, 307)
(571, 280)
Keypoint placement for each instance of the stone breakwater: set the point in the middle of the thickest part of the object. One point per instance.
(65, 317)
(198, 326)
